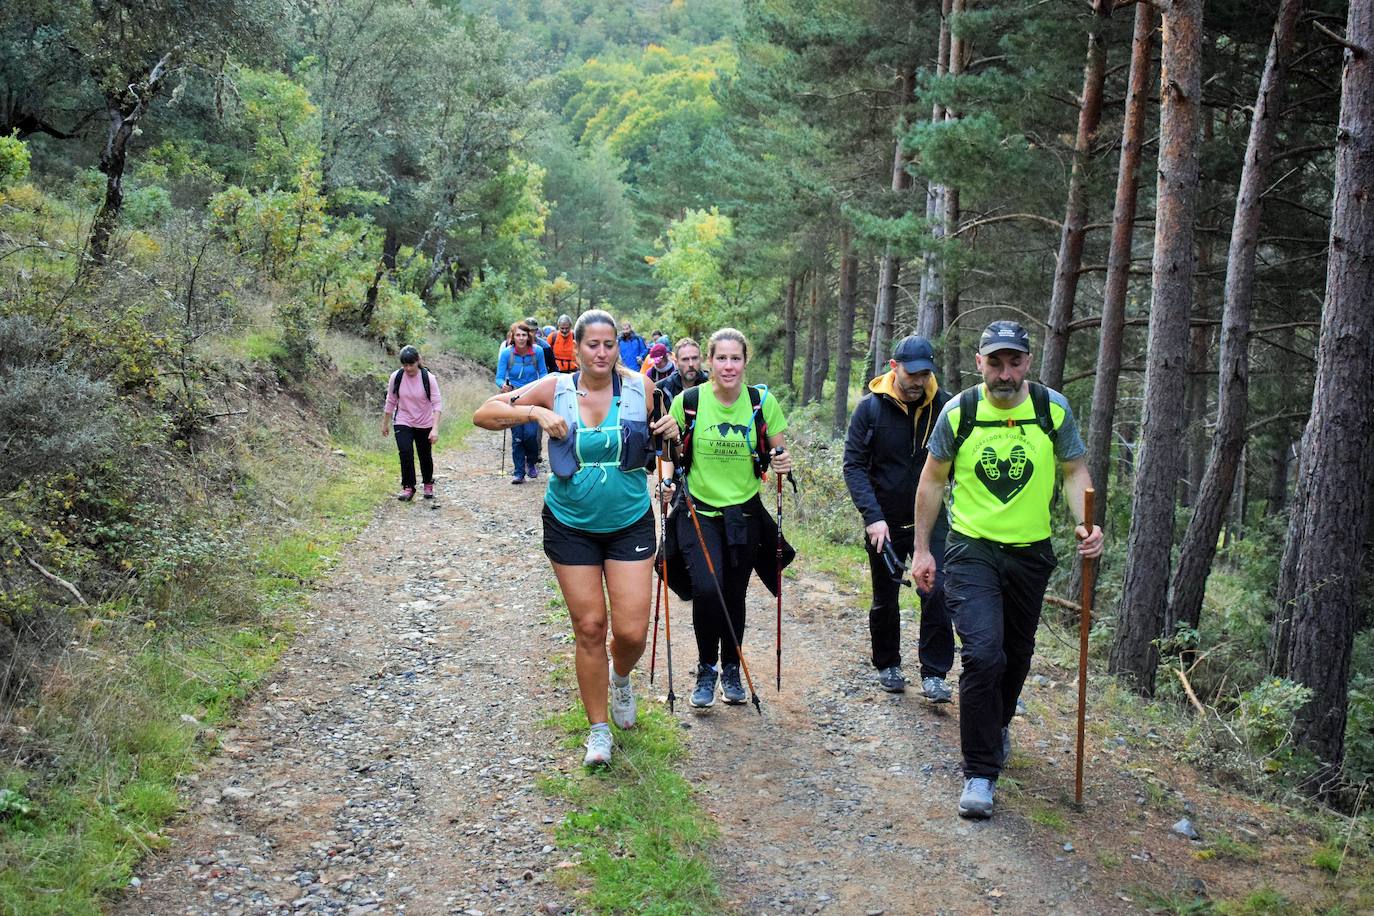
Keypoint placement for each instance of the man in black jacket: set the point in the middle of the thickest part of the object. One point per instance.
(883, 456)
(687, 373)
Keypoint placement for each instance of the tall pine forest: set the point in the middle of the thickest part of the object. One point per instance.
(202, 198)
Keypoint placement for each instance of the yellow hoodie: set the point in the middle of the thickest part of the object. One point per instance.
(887, 384)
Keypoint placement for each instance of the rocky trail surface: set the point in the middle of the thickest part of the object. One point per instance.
(389, 765)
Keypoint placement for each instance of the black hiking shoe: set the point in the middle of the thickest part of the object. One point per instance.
(892, 680)
(704, 695)
(730, 687)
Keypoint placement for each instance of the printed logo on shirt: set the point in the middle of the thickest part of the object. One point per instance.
(1004, 477)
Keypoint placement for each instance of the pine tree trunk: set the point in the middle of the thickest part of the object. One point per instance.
(1195, 419)
(1233, 382)
(789, 334)
(813, 342)
(949, 294)
(889, 271)
(949, 280)
(1140, 614)
(1119, 261)
(930, 320)
(844, 339)
(1337, 464)
(1076, 210)
(1276, 497)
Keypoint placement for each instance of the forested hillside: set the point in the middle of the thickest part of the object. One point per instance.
(212, 210)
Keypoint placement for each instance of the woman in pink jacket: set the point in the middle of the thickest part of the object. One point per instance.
(413, 406)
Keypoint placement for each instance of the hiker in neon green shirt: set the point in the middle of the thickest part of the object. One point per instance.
(1003, 440)
(729, 430)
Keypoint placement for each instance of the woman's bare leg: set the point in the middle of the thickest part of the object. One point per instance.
(630, 585)
(586, 600)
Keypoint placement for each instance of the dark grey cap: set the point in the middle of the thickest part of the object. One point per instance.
(1004, 335)
(915, 354)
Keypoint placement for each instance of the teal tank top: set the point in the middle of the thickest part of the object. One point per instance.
(600, 497)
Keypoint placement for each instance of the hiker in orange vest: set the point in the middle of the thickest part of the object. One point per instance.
(564, 346)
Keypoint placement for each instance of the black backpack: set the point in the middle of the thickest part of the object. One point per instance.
(692, 397)
(424, 379)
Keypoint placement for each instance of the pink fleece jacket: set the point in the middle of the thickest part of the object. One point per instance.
(412, 408)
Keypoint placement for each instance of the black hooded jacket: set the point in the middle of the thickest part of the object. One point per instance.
(885, 450)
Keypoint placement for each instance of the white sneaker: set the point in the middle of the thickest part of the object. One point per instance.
(598, 748)
(622, 704)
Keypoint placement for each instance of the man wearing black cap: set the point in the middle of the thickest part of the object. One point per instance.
(883, 455)
(997, 445)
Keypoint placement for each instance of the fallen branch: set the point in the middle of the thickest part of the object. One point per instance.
(50, 576)
(1188, 689)
(1065, 603)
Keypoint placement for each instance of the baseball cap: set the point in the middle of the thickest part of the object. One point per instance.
(658, 351)
(1004, 335)
(915, 354)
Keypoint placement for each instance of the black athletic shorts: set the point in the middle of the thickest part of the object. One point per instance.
(572, 547)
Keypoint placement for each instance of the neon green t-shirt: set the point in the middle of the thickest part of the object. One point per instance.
(722, 472)
(1003, 478)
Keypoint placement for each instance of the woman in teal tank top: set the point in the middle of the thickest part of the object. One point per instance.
(598, 524)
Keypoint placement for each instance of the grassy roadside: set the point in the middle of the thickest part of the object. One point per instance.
(138, 700)
(639, 837)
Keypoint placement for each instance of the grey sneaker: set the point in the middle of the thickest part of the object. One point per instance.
(730, 687)
(976, 800)
(622, 705)
(1006, 746)
(598, 748)
(936, 690)
(892, 680)
(705, 693)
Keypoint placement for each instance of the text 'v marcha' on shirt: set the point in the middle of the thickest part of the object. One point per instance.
(1003, 476)
(722, 471)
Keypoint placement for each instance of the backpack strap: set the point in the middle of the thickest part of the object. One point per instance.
(424, 380)
(968, 414)
(691, 399)
(762, 457)
(1040, 398)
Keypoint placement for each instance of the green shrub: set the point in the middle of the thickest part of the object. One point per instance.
(1359, 727)
(400, 318)
(299, 325)
(147, 207)
(14, 161)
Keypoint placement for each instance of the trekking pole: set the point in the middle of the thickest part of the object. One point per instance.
(658, 587)
(779, 639)
(720, 595)
(1084, 626)
(503, 452)
(661, 596)
(667, 628)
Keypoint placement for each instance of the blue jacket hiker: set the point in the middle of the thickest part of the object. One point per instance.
(633, 349)
(517, 366)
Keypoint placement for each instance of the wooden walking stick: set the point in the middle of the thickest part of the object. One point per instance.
(1085, 619)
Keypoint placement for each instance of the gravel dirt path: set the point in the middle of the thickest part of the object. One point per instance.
(389, 764)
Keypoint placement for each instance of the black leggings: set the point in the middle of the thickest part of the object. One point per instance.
(411, 441)
(713, 636)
